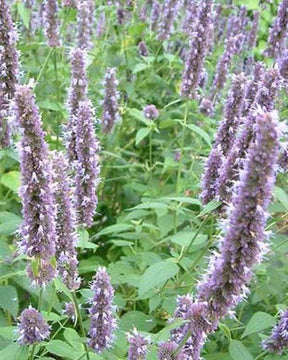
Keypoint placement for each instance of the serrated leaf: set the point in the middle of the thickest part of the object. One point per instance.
(281, 196)
(238, 351)
(24, 13)
(200, 132)
(141, 134)
(9, 299)
(156, 275)
(259, 321)
(14, 352)
(138, 319)
(9, 223)
(115, 229)
(211, 206)
(140, 67)
(62, 349)
(11, 180)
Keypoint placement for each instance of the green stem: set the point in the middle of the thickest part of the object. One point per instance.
(182, 149)
(150, 150)
(31, 357)
(80, 322)
(182, 343)
(44, 65)
(261, 355)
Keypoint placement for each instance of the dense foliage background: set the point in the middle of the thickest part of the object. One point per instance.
(151, 231)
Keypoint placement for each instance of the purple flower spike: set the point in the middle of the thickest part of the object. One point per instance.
(70, 3)
(206, 107)
(41, 272)
(166, 351)
(142, 49)
(252, 37)
(65, 219)
(278, 340)
(103, 322)
(198, 50)
(278, 31)
(85, 20)
(155, 14)
(110, 105)
(70, 311)
(51, 22)
(242, 245)
(77, 92)
(8, 70)
(32, 328)
(151, 112)
(191, 16)
(138, 346)
(283, 66)
(87, 168)
(38, 231)
(169, 12)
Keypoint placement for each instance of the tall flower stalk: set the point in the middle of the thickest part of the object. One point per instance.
(9, 72)
(169, 12)
(198, 50)
(65, 224)
(85, 21)
(38, 231)
(51, 23)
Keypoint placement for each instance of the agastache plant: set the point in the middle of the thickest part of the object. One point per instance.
(252, 37)
(8, 70)
(87, 167)
(168, 15)
(277, 342)
(51, 23)
(32, 329)
(70, 3)
(103, 322)
(77, 92)
(166, 351)
(65, 223)
(110, 114)
(198, 49)
(278, 31)
(243, 242)
(85, 21)
(155, 14)
(138, 345)
(38, 230)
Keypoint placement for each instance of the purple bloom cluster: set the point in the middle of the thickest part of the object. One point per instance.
(77, 93)
(252, 37)
(85, 21)
(110, 104)
(151, 112)
(198, 50)
(206, 107)
(278, 341)
(191, 15)
(87, 167)
(169, 12)
(65, 224)
(138, 346)
(103, 322)
(142, 48)
(283, 66)
(51, 22)
(166, 351)
(32, 328)
(8, 70)
(70, 311)
(70, 3)
(278, 30)
(243, 242)
(38, 231)
(155, 14)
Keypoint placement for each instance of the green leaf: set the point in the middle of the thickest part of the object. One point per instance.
(14, 352)
(9, 222)
(24, 14)
(259, 321)
(200, 132)
(281, 196)
(62, 349)
(238, 351)
(11, 180)
(156, 275)
(140, 67)
(115, 229)
(73, 338)
(8, 332)
(83, 240)
(62, 288)
(210, 207)
(141, 321)
(141, 134)
(9, 299)
(184, 238)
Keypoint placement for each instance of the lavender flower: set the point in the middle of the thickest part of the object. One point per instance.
(87, 169)
(110, 105)
(198, 50)
(103, 322)
(138, 346)
(155, 14)
(233, 109)
(169, 12)
(101, 25)
(211, 174)
(77, 93)
(283, 66)
(51, 22)
(120, 15)
(32, 328)
(166, 351)
(38, 229)
(253, 32)
(65, 219)
(223, 65)
(142, 48)
(70, 3)
(278, 30)
(191, 16)
(8, 70)
(206, 107)
(41, 271)
(243, 242)
(278, 340)
(70, 311)
(85, 20)
(151, 112)
(265, 98)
